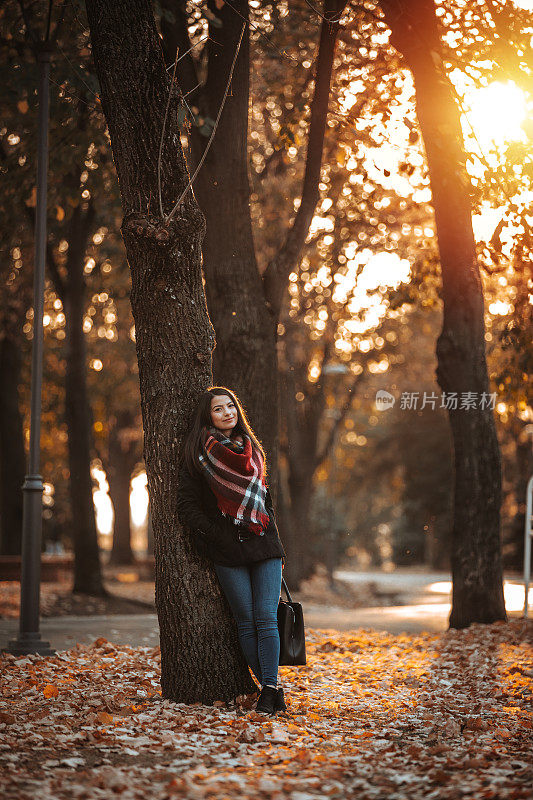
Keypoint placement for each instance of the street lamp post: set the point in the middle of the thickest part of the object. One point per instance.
(29, 637)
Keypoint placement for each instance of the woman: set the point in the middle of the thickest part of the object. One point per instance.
(224, 501)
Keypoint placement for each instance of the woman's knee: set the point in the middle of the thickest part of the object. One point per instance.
(266, 618)
(244, 616)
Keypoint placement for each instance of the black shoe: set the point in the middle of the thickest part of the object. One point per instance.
(267, 698)
(279, 702)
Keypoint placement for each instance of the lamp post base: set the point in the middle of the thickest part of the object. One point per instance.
(28, 644)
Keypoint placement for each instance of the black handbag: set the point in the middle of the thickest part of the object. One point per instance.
(291, 631)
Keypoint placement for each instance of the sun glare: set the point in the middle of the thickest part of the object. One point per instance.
(139, 499)
(514, 593)
(102, 502)
(104, 506)
(496, 113)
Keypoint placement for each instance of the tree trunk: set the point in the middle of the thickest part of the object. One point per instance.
(245, 354)
(122, 460)
(300, 534)
(201, 660)
(12, 456)
(150, 544)
(119, 492)
(301, 433)
(87, 568)
(476, 550)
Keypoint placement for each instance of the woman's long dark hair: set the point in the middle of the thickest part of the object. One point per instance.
(201, 418)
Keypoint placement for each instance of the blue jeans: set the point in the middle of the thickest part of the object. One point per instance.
(253, 592)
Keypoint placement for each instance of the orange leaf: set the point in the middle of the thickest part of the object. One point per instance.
(50, 691)
(104, 718)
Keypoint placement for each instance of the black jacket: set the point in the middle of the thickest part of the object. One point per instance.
(215, 536)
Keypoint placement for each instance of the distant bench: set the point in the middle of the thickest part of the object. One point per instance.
(54, 568)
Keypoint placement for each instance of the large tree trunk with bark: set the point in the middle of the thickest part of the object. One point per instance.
(150, 544)
(87, 567)
(201, 660)
(12, 456)
(476, 550)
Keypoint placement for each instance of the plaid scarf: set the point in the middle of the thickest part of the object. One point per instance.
(235, 473)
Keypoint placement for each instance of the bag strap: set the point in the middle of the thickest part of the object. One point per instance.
(289, 598)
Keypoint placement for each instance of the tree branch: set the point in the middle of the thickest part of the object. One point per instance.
(275, 275)
(254, 27)
(176, 37)
(338, 422)
(171, 89)
(215, 126)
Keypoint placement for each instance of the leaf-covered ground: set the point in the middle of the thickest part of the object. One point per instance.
(371, 716)
(57, 600)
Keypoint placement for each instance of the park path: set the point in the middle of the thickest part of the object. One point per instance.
(421, 603)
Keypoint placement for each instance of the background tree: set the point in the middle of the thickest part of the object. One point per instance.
(117, 410)
(14, 303)
(476, 554)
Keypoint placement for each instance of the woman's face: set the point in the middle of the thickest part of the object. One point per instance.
(223, 413)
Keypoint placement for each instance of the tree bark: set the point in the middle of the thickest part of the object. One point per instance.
(245, 355)
(201, 660)
(150, 545)
(12, 455)
(123, 455)
(476, 550)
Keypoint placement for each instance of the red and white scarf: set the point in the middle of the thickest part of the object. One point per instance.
(235, 473)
